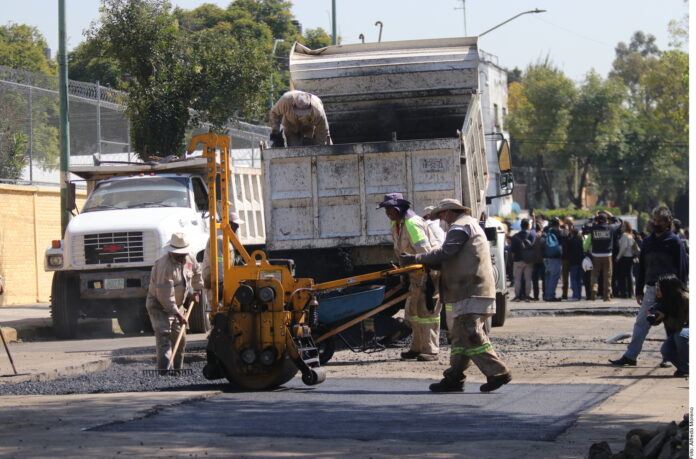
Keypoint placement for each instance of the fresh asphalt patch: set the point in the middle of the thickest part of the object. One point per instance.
(381, 409)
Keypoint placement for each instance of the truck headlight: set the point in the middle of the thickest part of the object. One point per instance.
(55, 261)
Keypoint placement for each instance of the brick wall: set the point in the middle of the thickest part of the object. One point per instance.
(29, 221)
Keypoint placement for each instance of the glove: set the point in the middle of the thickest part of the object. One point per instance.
(192, 296)
(407, 259)
(276, 138)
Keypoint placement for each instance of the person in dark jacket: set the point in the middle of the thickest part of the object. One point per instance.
(575, 256)
(566, 228)
(603, 231)
(522, 250)
(672, 309)
(662, 253)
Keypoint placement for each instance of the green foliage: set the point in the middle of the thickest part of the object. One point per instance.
(316, 38)
(87, 62)
(213, 61)
(22, 47)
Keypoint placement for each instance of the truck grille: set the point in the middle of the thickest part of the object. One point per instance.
(108, 248)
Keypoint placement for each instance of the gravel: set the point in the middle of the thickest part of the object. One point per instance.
(124, 375)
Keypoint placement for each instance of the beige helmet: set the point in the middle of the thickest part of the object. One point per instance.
(178, 244)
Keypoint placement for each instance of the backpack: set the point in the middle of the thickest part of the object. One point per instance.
(552, 248)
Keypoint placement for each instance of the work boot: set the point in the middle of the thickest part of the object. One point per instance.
(426, 357)
(409, 355)
(623, 361)
(494, 382)
(680, 374)
(447, 385)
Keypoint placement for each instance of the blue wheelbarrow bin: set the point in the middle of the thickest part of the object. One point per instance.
(340, 308)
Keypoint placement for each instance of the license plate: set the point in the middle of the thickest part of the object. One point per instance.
(114, 284)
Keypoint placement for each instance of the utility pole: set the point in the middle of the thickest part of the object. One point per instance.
(463, 8)
(64, 122)
(334, 38)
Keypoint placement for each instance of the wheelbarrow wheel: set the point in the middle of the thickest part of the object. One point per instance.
(326, 349)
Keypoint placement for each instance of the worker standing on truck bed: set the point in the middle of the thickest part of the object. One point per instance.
(235, 221)
(303, 118)
(174, 281)
(467, 289)
(410, 235)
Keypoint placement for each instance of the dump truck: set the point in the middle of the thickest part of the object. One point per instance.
(404, 117)
(102, 264)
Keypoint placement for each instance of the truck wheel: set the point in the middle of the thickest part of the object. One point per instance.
(64, 306)
(129, 319)
(199, 321)
(500, 309)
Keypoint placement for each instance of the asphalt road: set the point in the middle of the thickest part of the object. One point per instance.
(380, 409)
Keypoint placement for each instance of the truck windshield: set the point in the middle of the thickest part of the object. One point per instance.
(139, 192)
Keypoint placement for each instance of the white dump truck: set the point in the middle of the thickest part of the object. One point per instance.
(102, 265)
(404, 117)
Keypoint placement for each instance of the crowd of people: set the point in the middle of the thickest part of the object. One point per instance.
(608, 258)
(601, 256)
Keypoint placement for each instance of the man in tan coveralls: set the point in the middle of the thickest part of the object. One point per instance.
(303, 119)
(410, 235)
(174, 278)
(467, 288)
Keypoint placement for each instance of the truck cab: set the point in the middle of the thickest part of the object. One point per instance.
(102, 265)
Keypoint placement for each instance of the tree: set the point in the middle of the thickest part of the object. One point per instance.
(88, 62)
(594, 123)
(24, 47)
(538, 119)
(316, 38)
(218, 72)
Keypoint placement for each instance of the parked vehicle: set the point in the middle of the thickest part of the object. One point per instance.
(404, 117)
(102, 265)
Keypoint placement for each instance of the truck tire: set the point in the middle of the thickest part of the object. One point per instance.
(199, 321)
(64, 306)
(500, 309)
(129, 318)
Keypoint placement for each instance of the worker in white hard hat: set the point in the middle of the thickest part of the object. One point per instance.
(303, 119)
(175, 280)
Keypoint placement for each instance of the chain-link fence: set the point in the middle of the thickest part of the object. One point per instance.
(29, 123)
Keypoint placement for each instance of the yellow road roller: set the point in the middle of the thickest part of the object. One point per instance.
(262, 325)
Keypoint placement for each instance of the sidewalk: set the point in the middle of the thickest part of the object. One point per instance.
(24, 322)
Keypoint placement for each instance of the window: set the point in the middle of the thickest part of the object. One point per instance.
(200, 195)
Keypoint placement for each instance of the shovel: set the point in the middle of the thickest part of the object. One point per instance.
(171, 371)
(7, 349)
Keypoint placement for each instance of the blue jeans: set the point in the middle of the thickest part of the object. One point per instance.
(675, 349)
(553, 274)
(641, 327)
(576, 281)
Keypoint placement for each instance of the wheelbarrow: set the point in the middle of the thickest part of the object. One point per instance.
(352, 317)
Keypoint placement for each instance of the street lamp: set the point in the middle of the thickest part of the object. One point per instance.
(275, 43)
(514, 17)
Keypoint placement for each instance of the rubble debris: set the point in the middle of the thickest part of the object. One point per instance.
(670, 441)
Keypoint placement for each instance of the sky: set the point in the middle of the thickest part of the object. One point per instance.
(577, 35)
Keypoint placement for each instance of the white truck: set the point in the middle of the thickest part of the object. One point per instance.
(404, 117)
(102, 265)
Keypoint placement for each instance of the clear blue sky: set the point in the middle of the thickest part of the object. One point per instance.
(577, 34)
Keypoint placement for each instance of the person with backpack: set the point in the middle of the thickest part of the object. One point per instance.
(522, 249)
(552, 258)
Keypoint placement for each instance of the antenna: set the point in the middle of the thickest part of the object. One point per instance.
(463, 8)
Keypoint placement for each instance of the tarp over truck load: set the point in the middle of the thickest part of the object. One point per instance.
(418, 89)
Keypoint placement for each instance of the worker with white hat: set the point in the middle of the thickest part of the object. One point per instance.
(174, 280)
(467, 289)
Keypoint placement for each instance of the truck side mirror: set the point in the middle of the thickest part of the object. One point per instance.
(71, 201)
(504, 163)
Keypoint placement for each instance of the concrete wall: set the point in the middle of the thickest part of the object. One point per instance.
(29, 221)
